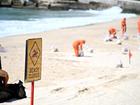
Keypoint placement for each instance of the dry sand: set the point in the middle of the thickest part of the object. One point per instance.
(68, 80)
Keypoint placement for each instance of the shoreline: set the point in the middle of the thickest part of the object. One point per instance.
(45, 23)
(80, 26)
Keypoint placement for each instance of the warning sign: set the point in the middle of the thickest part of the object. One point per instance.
(33, 60)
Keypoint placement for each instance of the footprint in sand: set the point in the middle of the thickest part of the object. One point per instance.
(83, 90)
(106, 77)
(57, 89)
(122, 78)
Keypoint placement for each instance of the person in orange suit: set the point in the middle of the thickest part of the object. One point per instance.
(78, 45)
(138, 25)
(112, 33)
(123, 26)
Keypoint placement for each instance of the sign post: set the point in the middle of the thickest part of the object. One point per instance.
(32, 93)
(33, 63)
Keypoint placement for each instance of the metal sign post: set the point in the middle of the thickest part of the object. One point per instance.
(33, 63)
(32, 93)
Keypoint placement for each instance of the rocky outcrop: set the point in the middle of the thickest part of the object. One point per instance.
(54, 4)
(127, 5)
(110, 2)
(5, 3)
(15, 3)
(65, 5)
(130, 5)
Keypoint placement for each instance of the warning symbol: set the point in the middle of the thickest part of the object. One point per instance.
(34, 53)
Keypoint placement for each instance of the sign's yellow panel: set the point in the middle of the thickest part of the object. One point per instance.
(33, 59)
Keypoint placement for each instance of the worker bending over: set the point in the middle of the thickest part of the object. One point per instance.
(77, 46)
(112, 33)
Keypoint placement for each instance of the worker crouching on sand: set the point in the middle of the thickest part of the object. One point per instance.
(78, 46)
(112, 33)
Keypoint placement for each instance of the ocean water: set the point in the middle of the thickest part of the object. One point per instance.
(23, 21)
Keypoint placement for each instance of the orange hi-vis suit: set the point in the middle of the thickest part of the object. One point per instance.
(112, 32)
(123, 25)
(78, 44)
(138, 23)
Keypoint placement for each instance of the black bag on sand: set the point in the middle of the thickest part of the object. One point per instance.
(17, 90)
(12, 91)
(4, 96)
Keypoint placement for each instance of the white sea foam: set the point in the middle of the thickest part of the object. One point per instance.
(33, 25)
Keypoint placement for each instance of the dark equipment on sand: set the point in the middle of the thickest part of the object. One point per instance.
(12, 91)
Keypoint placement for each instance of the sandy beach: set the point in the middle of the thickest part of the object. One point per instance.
(69, 80)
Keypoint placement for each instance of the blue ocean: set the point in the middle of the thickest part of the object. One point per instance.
(15, 21)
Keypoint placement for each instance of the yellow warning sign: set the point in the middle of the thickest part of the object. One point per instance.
(33, 60)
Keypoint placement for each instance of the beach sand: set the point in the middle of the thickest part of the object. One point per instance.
(69, 80)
